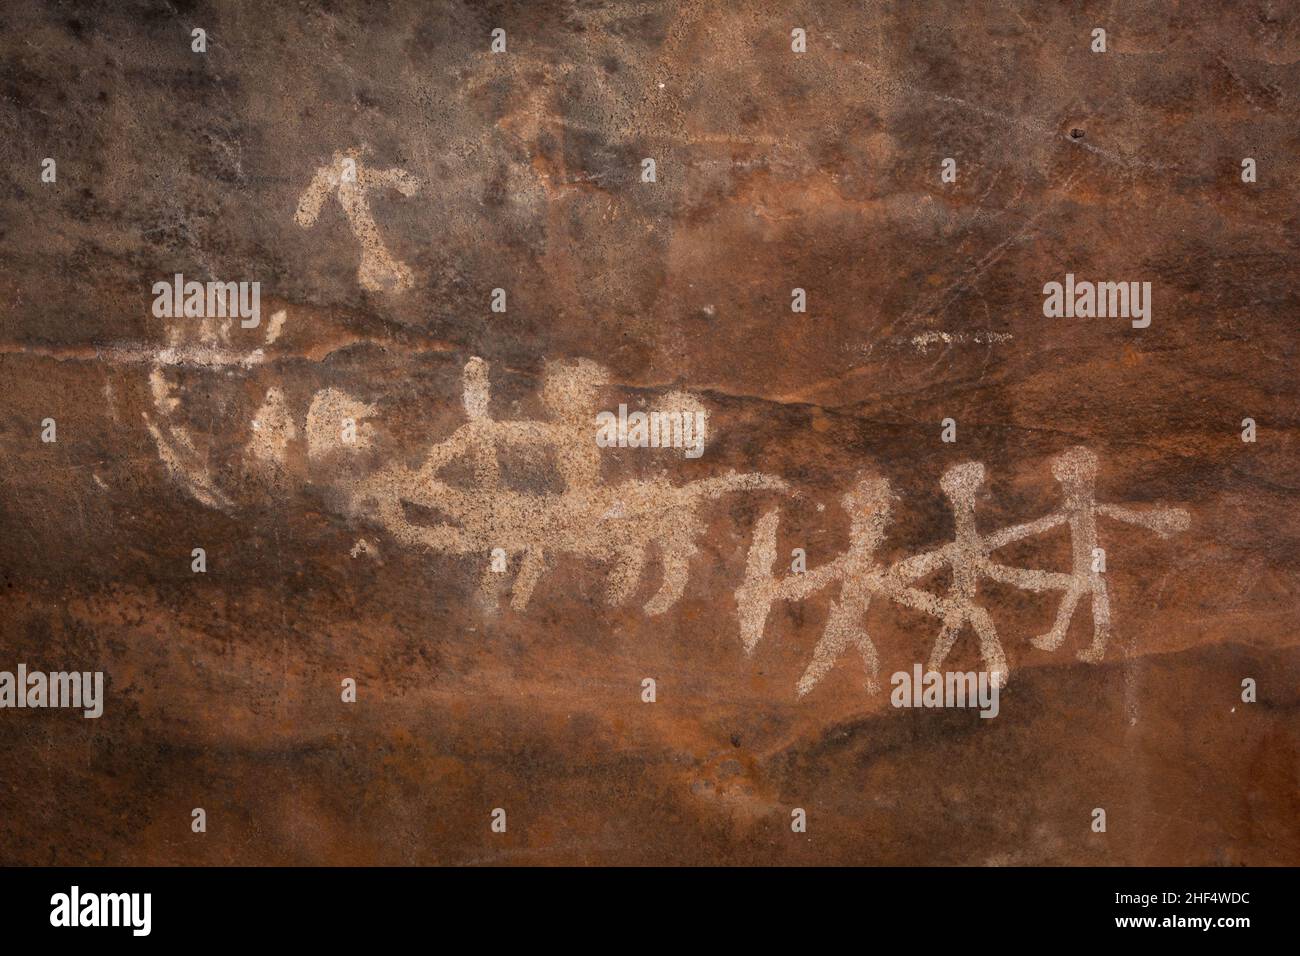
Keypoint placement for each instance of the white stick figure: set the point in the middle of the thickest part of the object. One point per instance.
(969, 558)
(1076, 470)
(859, 574)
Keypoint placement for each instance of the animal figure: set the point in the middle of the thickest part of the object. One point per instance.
(615, 524)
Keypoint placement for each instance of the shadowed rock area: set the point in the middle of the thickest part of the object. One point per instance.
(374, 504)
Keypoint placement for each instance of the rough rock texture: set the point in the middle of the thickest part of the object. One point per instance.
(522, 171)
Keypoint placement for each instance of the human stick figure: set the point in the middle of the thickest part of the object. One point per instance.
(1076, 470)
(969, 557)
(858, 573)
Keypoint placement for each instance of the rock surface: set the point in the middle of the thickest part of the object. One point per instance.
(295, 453)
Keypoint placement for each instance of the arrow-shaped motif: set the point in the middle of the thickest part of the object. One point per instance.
(345, 173)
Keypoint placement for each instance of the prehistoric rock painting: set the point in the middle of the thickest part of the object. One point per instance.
(969, 557)
(619, 524)
(350, 180)
(1076, 470)
(860, 577)
(616, 524)
(854, 212)
(206, 343)
(332, 421)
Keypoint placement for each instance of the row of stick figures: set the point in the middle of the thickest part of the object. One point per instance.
(969, 557)
(617, 523)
